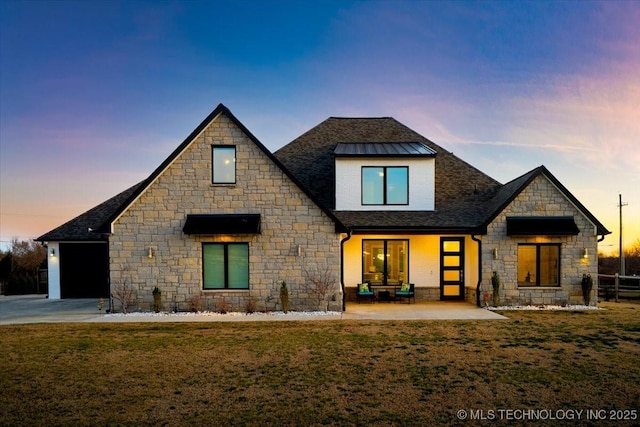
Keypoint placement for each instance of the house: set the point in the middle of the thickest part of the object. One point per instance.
(352, 200)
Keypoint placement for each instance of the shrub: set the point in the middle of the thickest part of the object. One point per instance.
(284, 296)
(251, 305)
(195, 303)
(587, 286)
(222, 305)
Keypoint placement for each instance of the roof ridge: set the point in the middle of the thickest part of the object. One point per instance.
(361, 118)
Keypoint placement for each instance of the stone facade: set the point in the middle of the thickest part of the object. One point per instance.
(540, 198)
(297, 238)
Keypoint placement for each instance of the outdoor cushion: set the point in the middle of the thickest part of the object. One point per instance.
(405, 287)
(363, 288)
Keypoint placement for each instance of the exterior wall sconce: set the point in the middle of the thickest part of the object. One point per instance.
(150, 253)
(299, 249)
(585, 253)
(494, 252)
(53, 253)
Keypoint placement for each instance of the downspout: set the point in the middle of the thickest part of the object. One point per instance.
(344, 294)
(475, 239)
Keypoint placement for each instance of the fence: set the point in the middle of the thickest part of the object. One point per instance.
(617, 286)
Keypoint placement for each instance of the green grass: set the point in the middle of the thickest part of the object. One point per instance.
(319, 373)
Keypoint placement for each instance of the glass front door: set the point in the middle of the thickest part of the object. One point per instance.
(385, 262)
(452, 268)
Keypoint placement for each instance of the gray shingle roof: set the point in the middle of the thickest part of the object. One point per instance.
(506, 193)
(466, 200)
(78, 229)
(460, 189)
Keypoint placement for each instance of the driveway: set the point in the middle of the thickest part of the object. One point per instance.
(38, 309)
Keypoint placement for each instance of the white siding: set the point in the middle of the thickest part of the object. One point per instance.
(349, 183)
(53, 264)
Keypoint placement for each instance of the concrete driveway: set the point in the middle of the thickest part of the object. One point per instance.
(38, 309)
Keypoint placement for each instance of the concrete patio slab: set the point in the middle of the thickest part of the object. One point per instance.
(420, 311)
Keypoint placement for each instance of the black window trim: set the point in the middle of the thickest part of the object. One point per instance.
(225, 245)
(235, 170)
(537, 282)
(386, 265)
(384, 186)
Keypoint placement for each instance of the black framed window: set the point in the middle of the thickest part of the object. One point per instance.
(225, 266)
(538, 264)
(385, 261)
(385, 185)
(223, 164)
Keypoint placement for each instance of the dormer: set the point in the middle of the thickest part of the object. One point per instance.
(384, 176)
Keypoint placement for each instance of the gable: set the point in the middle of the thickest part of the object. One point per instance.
(539, 193)
(543, 199)
(190, 164)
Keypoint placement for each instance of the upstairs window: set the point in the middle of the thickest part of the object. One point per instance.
(224, 165)
(385, 185)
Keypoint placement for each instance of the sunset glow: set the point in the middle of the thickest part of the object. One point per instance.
(95, 95)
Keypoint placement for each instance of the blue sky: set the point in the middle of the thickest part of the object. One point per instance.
(95, 95)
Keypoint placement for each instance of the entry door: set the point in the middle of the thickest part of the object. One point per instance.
(452, 268)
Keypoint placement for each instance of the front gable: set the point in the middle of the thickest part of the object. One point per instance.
(185, 185)
(168, 233)
(542, 199)
(540, 243)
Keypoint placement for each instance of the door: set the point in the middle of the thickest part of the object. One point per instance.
(452, 268)
(385, 262)
(84, 270)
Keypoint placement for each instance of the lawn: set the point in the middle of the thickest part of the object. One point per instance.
(326, 372)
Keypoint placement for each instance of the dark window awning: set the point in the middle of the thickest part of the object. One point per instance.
(542, 226)
(222, 224)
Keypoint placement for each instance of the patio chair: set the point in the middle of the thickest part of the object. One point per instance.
(363, 291)
(406, 291)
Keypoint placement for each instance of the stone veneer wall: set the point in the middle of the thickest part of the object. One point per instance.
(540, 198)
(289, 220)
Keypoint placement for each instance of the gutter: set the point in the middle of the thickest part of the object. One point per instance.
(475, 239)
(344, 294)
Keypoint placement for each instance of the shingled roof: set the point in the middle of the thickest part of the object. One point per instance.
(84, 226)
(460, 189)
(466, 200)
(509, 191)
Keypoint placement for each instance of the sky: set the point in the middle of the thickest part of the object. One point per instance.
(95, 95)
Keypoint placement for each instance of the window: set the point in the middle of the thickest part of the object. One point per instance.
(385, 261)
(225, 265)
(224, 165)
(538, 265)
(383, 185)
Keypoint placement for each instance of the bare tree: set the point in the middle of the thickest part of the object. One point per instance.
(27, 254)
(123, 291)
(21, 269)
(320, 283)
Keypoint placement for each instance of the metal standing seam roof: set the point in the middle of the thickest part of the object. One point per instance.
(386, 149)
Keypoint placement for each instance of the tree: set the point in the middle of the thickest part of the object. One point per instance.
(610, 264)
(632, 258)
(26, 257)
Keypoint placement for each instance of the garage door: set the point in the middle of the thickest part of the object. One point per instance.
(84, 270)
